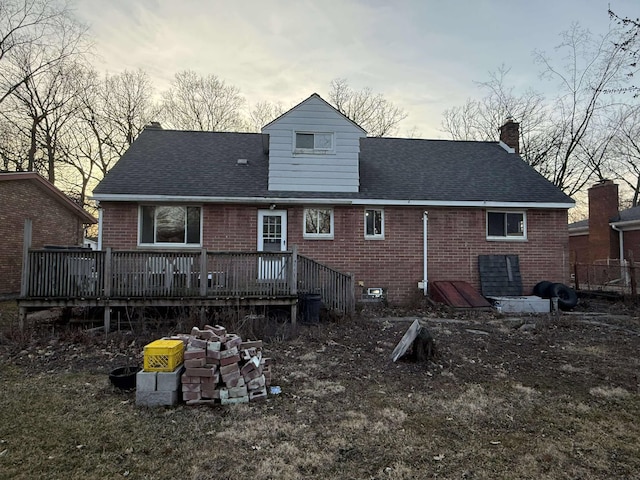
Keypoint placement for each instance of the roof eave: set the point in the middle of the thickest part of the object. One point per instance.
(334, 201)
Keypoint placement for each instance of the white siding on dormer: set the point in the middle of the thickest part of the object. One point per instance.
(337, 171)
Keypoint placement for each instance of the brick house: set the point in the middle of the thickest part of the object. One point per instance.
(609, 233)
(56, 220)
(394, 212)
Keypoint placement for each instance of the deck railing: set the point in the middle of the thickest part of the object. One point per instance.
(337, 289)
(109, 274)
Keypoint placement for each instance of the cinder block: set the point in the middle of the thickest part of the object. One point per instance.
(156, 399)
(169, 381)
(251, 344)
(146, 381)
(224, 393)
(256, 395)
(213, 346)
(235, 392)
(235, 400)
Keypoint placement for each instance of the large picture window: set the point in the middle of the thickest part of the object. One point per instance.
(374, 223)
(506, 225)
(318, 223)
(170, 225)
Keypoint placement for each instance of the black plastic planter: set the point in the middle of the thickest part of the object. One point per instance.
(124, 378)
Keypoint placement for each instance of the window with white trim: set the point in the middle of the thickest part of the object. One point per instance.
(318, 223)
(374, 223)
(170, 225)
(314, 142)
(506, 225)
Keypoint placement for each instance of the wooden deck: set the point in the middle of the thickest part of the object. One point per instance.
(114, 278)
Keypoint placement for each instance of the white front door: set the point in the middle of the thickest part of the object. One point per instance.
(272, 237)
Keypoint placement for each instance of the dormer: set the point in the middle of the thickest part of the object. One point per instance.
(314, 148)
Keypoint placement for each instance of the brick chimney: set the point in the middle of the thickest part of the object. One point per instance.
(510, 134)
(603, 208)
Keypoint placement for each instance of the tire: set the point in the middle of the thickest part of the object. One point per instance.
(567, 297)
(542, 289)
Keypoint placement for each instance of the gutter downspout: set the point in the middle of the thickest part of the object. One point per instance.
(425, 229)
(623, 262)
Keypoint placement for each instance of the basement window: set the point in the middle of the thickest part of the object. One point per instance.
(506, 226)
(318, 223)
(314, 142)
(170, 225)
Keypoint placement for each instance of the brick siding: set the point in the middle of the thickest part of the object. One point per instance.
(455, 239)
(52, 224)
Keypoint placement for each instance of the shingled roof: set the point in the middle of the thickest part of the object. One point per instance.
(204, 165)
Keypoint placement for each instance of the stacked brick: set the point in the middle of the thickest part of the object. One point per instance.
(222, 368)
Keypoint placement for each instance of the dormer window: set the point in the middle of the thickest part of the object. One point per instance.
(314, 142)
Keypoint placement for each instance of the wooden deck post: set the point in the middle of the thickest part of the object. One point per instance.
(204, 274)
(107, 288)
(294, 283)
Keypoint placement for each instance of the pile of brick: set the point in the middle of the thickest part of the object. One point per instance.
(222, 368)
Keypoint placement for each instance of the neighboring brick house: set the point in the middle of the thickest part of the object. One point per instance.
(608, 233)
(394, 212)
(56, 220)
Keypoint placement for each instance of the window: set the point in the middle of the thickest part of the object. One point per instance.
(313, 142)
(318, 223)
(506, 225)
(374, 223)
(173, 225)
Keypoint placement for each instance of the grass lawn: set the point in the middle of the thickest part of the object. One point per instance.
(537, 397)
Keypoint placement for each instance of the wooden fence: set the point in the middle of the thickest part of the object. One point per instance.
(112, 274)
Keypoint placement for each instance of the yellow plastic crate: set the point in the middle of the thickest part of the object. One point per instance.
(163, 355)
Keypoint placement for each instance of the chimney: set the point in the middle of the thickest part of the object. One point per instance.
(603, 208)
(510, 134)
(153, 126)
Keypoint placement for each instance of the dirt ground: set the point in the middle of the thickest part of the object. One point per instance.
(507, 396)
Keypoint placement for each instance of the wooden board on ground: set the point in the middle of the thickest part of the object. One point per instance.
(406, 341)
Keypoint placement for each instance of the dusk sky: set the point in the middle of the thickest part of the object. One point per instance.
(423, 55)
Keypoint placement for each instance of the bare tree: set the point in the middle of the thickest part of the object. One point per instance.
(480, 119)
(626, 148)
(202, 103)
(629, 43)
(373, 112)
(261, 114)
(567, 139)
(591, 67)
(35, 35)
